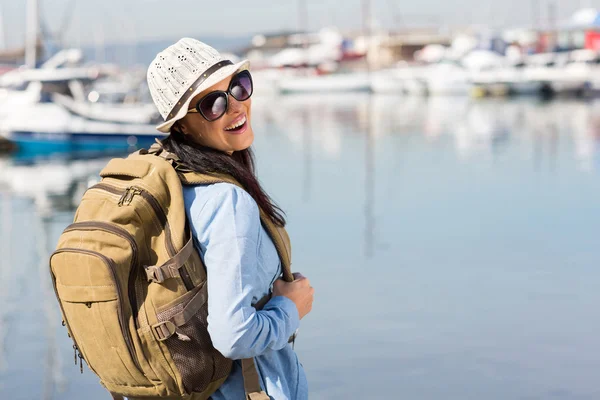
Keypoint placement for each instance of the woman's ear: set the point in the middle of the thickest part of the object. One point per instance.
(181, 127)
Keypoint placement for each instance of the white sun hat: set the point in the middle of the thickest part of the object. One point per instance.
(183, 70)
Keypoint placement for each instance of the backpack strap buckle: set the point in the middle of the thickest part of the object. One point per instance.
(160, 274)
(258, 396)
(170, 269)
(163, 330)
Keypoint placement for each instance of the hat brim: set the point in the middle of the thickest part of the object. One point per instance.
(218, 76)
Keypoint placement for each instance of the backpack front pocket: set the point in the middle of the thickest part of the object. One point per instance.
(91, 299)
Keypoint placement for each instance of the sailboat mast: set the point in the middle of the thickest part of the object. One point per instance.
(302, 16)
(31, 36)
(366, 16)
(2, 32)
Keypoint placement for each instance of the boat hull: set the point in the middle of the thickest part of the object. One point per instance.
(40, 144)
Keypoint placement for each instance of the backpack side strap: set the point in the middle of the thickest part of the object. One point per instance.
(252, 382)
(170, 269)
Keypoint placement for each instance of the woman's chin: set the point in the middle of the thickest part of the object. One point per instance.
(243, 141)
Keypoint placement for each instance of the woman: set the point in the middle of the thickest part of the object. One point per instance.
(206, 104)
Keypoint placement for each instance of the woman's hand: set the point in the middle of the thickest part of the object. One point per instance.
(299, 291)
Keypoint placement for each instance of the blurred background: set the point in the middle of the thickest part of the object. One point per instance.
(438, 162)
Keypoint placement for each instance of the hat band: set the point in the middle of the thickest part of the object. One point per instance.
(197, 84)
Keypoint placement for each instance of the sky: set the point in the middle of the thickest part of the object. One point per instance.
(127, 21)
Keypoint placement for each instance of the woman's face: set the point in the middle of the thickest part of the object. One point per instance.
(218, 134)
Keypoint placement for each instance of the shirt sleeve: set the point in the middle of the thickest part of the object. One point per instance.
(227, 227)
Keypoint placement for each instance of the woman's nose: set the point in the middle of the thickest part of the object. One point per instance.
(234, 105)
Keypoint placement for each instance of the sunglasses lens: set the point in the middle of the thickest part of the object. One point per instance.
(213, 106)
(241, 87)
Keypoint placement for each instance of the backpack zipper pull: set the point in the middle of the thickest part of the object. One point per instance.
(128, 196)
(80, 362)
(65, 324)
(123, 196)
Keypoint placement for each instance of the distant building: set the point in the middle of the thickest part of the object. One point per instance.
(386, 49)
(581, 31)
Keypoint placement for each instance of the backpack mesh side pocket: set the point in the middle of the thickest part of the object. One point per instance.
(193, 353)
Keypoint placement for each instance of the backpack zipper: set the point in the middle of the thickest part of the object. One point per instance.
(104, 226)
(64, 323)
(113, 269)
(127, 196)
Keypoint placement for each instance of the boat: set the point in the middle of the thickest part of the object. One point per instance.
(387, 81)
(518, 82)
(575, 76)
(544, 68)
(339, 82)
(459, 76)
(58, 110)
(448, 78)
(412, 78)
(506, 80)
(64, 123)
(55, 107)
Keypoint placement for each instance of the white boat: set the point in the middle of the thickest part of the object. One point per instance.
(535, 74)
(448, 78)
(458, 77)
(575, 76)
(54, 113)
(518, 82)
(135, 113)
(412, 78)
(415, 87)
(43, 128)
(343, 82)
(508, 80)
(387, 81)
(265, 81)
(488, 72)
(544, 68)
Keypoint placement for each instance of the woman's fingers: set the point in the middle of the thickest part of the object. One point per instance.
(298, 276)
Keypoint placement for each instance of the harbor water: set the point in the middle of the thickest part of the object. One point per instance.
(452, 243)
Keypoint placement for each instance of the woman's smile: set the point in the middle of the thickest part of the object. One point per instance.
(238, 125)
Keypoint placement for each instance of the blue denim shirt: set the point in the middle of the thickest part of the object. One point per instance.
(242, 264)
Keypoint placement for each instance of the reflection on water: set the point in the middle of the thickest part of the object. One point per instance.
(481, 127)
(451, 242)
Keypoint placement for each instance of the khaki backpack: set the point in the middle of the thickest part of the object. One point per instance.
(132, 287)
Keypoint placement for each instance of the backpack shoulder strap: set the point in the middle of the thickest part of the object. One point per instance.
(278, 234)
(282, 243)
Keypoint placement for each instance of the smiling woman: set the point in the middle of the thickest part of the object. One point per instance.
(228, 133)
(253, 314)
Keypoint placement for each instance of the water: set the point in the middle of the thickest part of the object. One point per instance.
(452, 245)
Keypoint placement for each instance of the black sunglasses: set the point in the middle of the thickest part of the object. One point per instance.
(215, 104)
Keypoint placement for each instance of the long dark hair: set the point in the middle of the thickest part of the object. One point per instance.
(240, 165)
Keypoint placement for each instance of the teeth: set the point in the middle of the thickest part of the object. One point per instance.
(237, 125)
